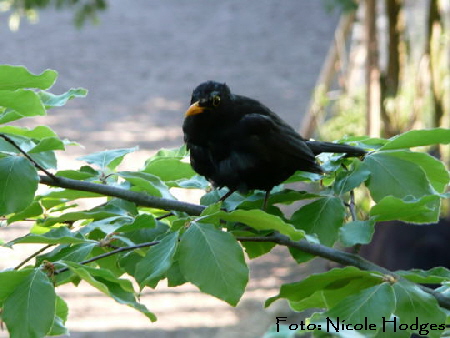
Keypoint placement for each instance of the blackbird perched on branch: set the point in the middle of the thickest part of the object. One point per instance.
(239, 143)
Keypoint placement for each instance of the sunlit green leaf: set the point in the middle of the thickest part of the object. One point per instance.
(260, 220)
(25, 102)
(38, 133)
(417, 138)
(60, 235)
(47, 144)
(33, 210)
(170, 169)
(16, 77)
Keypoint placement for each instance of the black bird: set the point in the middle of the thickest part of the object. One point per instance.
(239, 143)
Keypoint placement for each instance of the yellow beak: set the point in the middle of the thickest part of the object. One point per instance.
(194, 109)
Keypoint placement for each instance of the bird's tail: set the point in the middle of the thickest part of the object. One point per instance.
(318, 147)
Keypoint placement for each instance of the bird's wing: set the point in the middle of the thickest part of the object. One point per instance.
(277, 138)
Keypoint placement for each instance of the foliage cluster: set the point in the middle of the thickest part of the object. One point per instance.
(131, 242)
(84, 10)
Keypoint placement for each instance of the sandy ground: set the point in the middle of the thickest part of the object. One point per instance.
(140, 66)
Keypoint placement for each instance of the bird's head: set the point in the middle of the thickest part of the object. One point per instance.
(207, 97)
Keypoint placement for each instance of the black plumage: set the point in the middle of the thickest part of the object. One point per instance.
(239, 143)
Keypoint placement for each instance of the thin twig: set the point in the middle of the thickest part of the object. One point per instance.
(352, 206)
(164, 216)
(33, 255)
(28, 157)
(110, 253)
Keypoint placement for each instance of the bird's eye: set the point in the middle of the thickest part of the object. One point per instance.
(216, 100)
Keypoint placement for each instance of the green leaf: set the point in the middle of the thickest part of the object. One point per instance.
(159, 258)
(146, 182)
(121, 290)
(286, 196)
(323, 217)
(9, 281)
(48, 144)
(107, 225)
(30, 310)
(357, 232)
(77, 175)
(194, 182)
(97, 213)
(174, 275)
(61, 313)
(33, 210)
(46, 159)
(74, 253)
(424, 210)
(213, 261)
(346, 181)
(23, 101)
(16, 77)
(417, 138)
(38, 133)
(178, 153)
(375, 303)
(414, 306)
(60, 235)
(18, 183)
(254, 249)
(303, 176)
(108, 159)
(316, 284)
(212, 209)
(261, 220)
(169, 169)
(52, 100)
(390, 175)
(142, 221)
(433, 276)
(435, 170)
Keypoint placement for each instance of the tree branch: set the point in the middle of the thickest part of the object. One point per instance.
(341, 257)
(140, 199)
(33, 255)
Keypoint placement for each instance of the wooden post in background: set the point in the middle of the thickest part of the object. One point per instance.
(373, 94)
